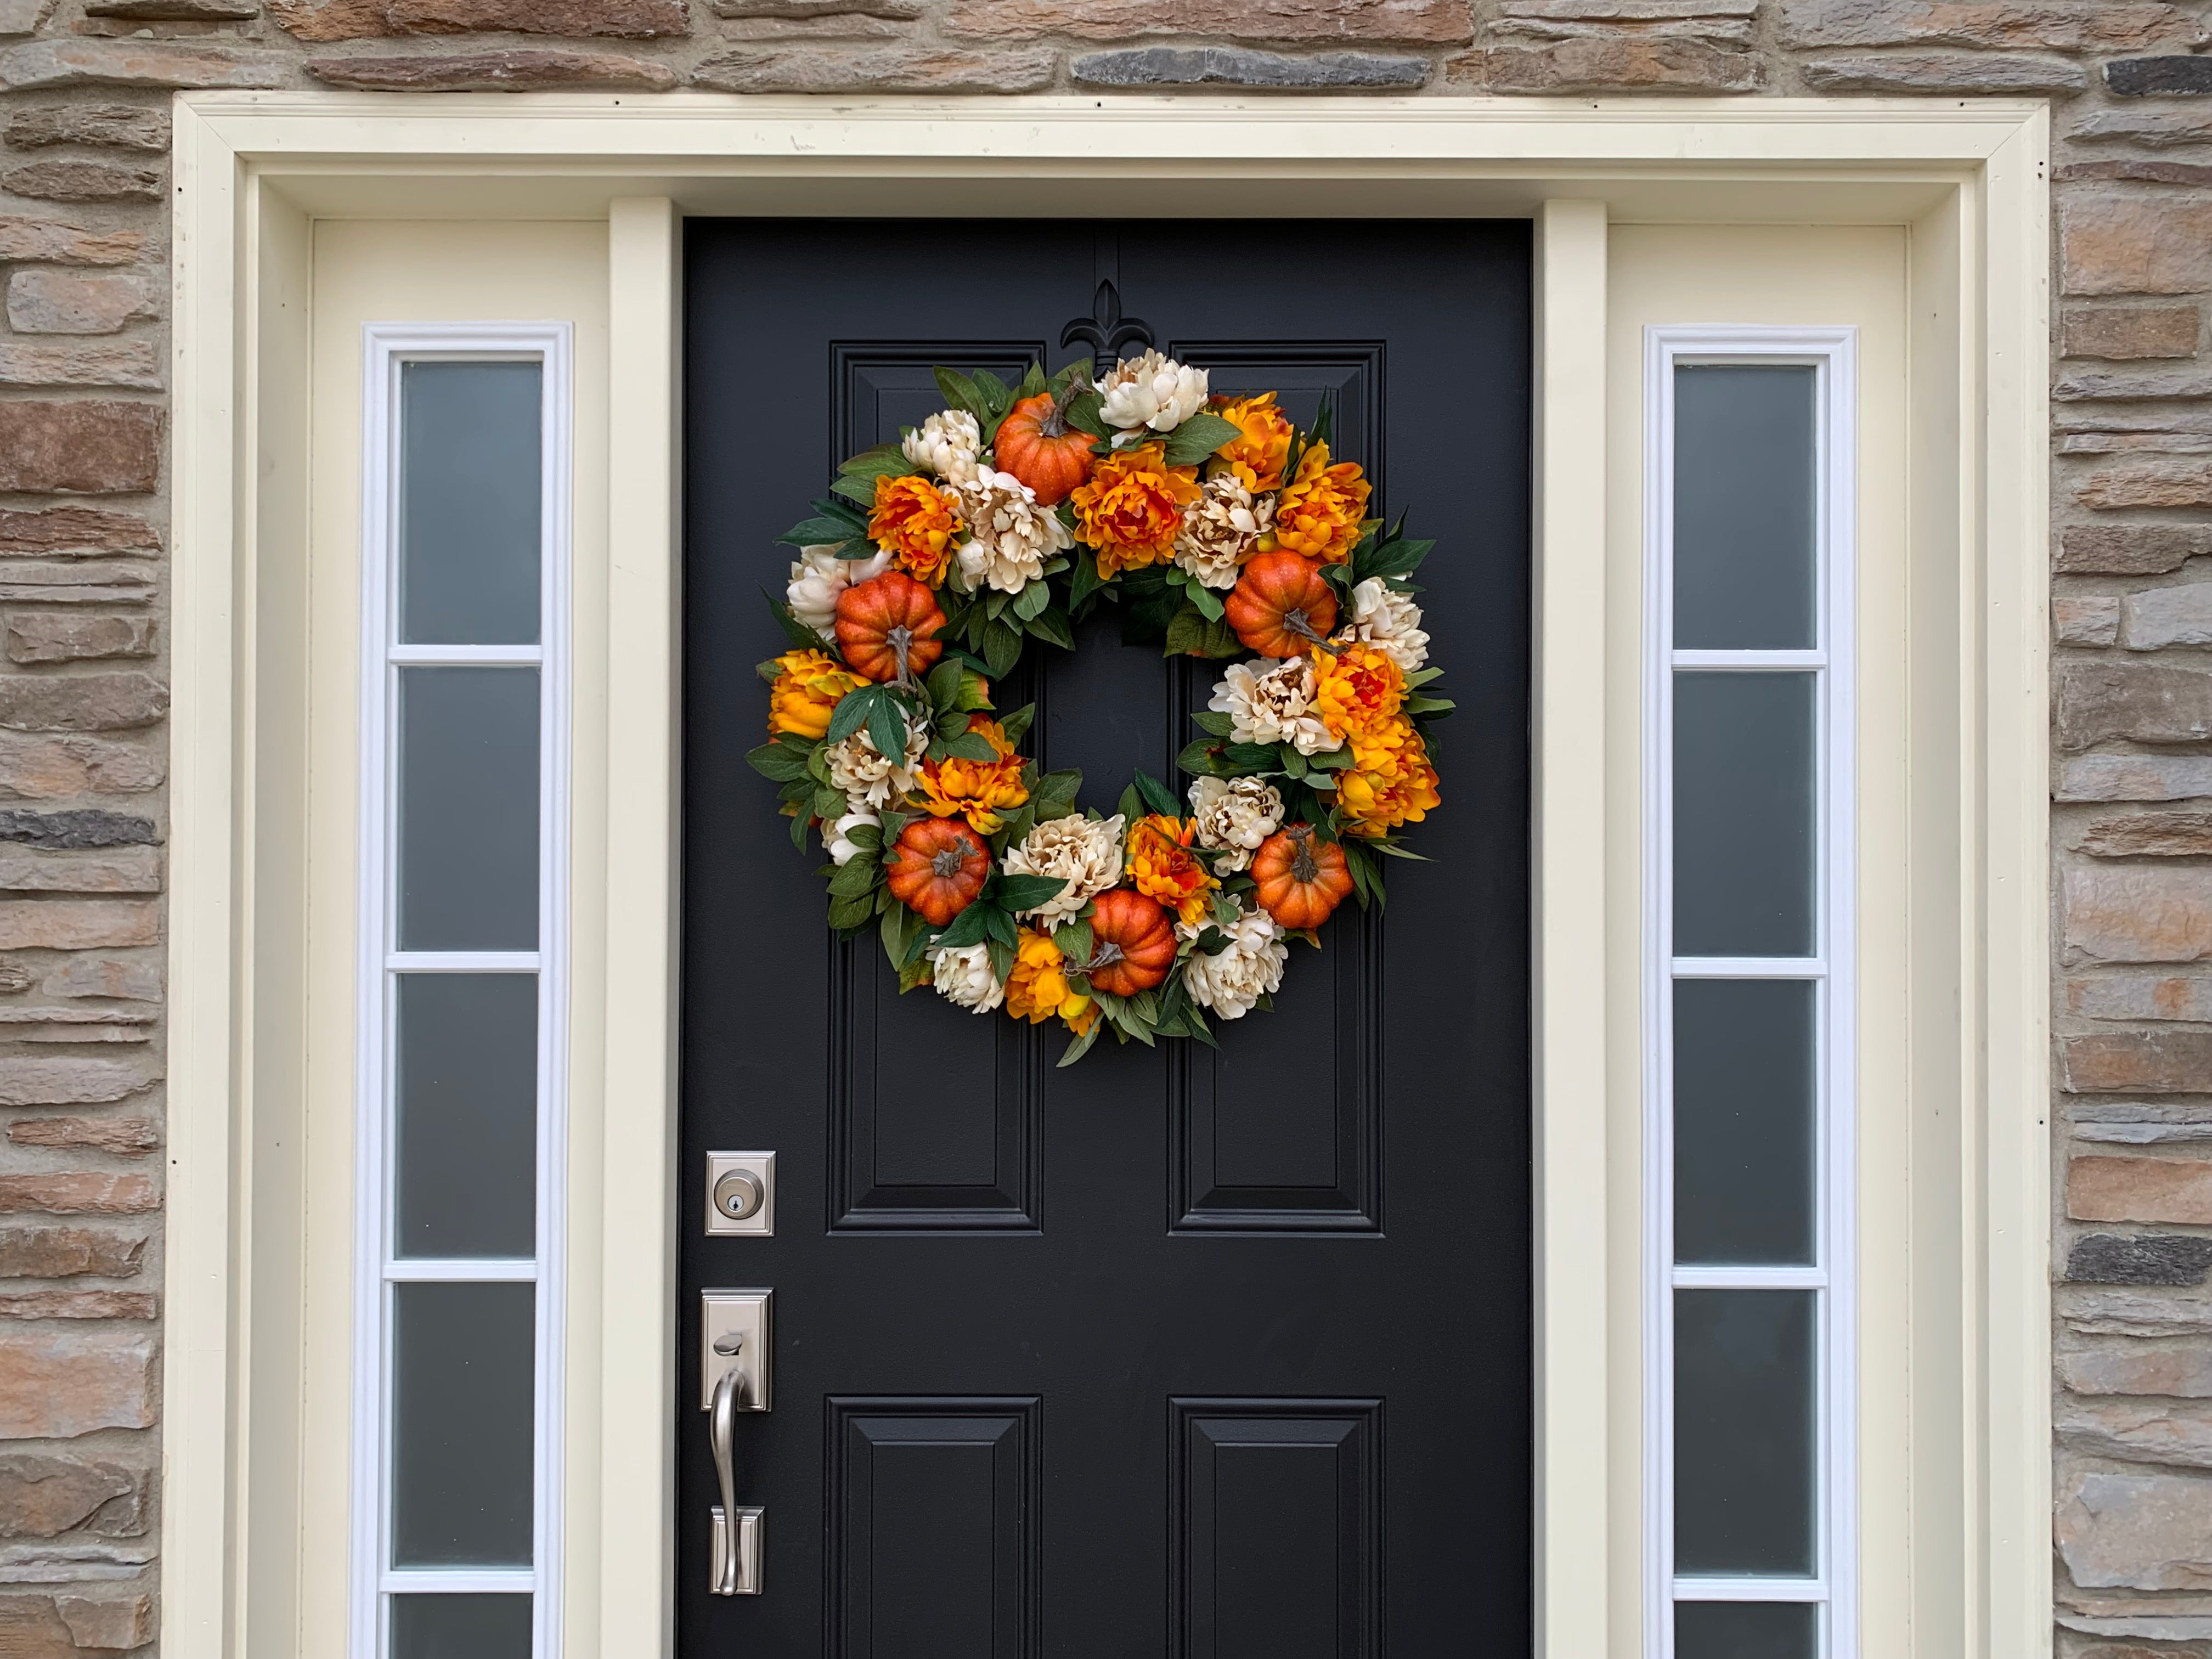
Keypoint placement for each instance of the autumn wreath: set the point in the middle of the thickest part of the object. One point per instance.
(1222, 530)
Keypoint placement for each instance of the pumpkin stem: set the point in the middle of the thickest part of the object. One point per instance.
(1107, 955)
(900, 640)
(1295, 622)
(1053, 423)
(1304, 866)
(948, 861)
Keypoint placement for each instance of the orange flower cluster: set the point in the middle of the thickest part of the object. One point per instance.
(915, 522)
(1356, 689)
(1262, 447)
(1319, 514)
(1358, 693)
(982, 792)
(1039, 987)
(1162, 867)
(807, 692)
(1130, 509)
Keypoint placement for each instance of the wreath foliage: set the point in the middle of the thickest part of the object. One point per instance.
(1220, 529)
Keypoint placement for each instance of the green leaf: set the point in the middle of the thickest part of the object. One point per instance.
(1002, 958)
(971, 747)
(1186, 633)
(1324, 424)
(899, 928)
(919, 972)
(1032, 599)
(962, 392)
(799, 828)
(996, 397)
(1002, 648)
(1293, 763)
(793, 629)
(1198, 437)
(1246, 758)
(856, 878)
(1083, 414)
(1221, 640)
(1201, 757)
(1086, 580)
(1211, 940)
(995, 603)
(773, 760)
(1422, 676)
(887, 726)
(1053, 624)
(1331, 760)
(1026, 892)
(845, 914)
(1055, 794)
(880, 460)
(943, 685)
(1081, 1045)
(1073, 941)
(1205, 599)
(1194, 1022)
(1392, 849)
(1033, 384)
(1016, 726)
(997, 925)
(854, 711)
(813, 532)
(1214, 722)
(1428, 705)
(1158, 796)
(967, 928)
(1131, 805)
(828, 804)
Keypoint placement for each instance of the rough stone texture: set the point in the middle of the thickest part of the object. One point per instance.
(2134, 777)
(2101, 1188)
(890, 68)
(2134, 550)
(1944, 72)
(43, 301)
(67, 1252)
(74, 925)
(133, 364)
(2148, 483)
(2136, 244)
(123, 978)
(2144, 1259)
(78, 180)
(2138, 1431)
(2150, 1062)
(1427, 21)
(2137, 332)
(514, 71)
(115, 126)
(2056, 26)
(1612, 63)
(63, 242)
(81, 827)
(2086, 619)
(117, 1623)
(40, 636)
(2168, 615)
(2135, 996)
(48, 769)
(2137, 914)
(58, 1386)
(82, 449)
(127, 1137)
(2146, 78)
(166, 64)
(69, 1082)
(349, 20)
(2143, 702)
(74, 531)
(2136, 1531)
(1241, 66)
(43, 1496)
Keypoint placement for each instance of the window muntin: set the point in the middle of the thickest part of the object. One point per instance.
(1751, 1508)
(464, 973)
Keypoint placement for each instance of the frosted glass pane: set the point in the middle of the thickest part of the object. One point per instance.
(468, 809)
(465, 1092)
(1743, 1120)
(1744, 797)
(1744, 506)
(1747, 1630)
(1745, 1478)
(463, 1364)
(469, 503)
(460, 1626)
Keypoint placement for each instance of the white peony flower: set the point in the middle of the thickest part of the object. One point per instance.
(1010, 538)
(835, 838)
(1152, 391)
(1235, 815)
(964, 977)
(1391, 622)
(1275, 706)
(949, 444)
(1229, 982)
(867, 778)
(1085, 852)
(819, 576)
(1220, 529)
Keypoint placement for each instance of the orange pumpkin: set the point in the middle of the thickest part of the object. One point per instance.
(937, 867)
(1300, 878)
(1037, 445)
(887, 627)
(1279, 606)
(1132, 943)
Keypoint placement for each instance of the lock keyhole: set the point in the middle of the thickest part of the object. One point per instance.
(738, 1194)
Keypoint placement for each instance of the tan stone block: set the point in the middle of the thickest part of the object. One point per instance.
(103, 870)
(42, 1496)
(1611, 62)
(1441, 21)
(175, 11)
(493, 71)
(81, 179)
(133, 364)
(2143, 331)
(890, 68)
(79, 582)
(333, 20)
(59, 242)
(2136, 171)
(81, 702)
(2139, 996)
(42, 637)
(2136, 1532)
(2082, 619)
(2136, 244)
(117, 978)
(2144, 1063)
(115, 1622)
(2147, 484)
(2129, 550)
(136, 63)
(47, 301)
(2160, 617)
(1913, 72)
(113, 126)
(79, 1305)
(70, 1082)
(2148, 835)
(2009, 24)
(2137, 914)
(2155, 128)
(47, 769)
(2138, 1431)
(30, 1628)
(629, 19)
(56, 1385)
(80, 1192)
(2147, 702)
(2115, 1188)
(897, 10)
(87, 449)
(68, 1252)
(127, 1137)
(47, 531)
(77, 924)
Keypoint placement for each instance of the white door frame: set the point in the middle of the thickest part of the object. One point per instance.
(254, 170)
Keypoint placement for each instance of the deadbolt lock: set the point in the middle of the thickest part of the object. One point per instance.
(740, 1195)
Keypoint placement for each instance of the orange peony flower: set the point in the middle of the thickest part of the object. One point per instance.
(982, 792)
(1318, 514)
(1039, 987)
(1129, 511)
(1391, 782)
(917, 522)
(1356, 689)
(1258, 455)
(1161, 867)
(807, 692)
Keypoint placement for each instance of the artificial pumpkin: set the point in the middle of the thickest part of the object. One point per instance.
(1132, 943)
(1300, 878)
(1279, 606)
(940, 865)
(887, 627)
(1037, 445)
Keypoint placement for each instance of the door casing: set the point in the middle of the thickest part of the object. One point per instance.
(254, 170)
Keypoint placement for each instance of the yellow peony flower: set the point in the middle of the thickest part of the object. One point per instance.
(1129, 511)
(1259, 454)
(807, 693)
(982, 792)
(1390, 782)
(1039, 987)
(1356, 689)
(1162, 867)
(1318, 514)
(915, 521)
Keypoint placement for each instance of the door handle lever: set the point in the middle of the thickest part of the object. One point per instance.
(734, 1546)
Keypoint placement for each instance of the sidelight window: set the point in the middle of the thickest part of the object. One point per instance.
(1748, 926)
(462, 975)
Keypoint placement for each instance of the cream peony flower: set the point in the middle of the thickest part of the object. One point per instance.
(949, 443)
(1389, 622)
(964, 977)
(1085, 852)
(1012, 539)
(1152, 391)
(819, 576)
(1221, 528)
(1231, 981)
(834, 836)
(1235, 815)
(1276, 706)
(867, 778)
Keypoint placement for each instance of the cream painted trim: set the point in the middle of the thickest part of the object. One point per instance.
(249, 168)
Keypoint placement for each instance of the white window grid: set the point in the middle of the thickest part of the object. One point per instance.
(385, 348)
(1832, 352)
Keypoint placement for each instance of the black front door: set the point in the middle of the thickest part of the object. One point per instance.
(1173, 1352)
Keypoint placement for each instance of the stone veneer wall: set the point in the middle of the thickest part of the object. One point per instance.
(84, 86)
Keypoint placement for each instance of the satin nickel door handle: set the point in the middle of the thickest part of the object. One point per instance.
(734, 1351)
